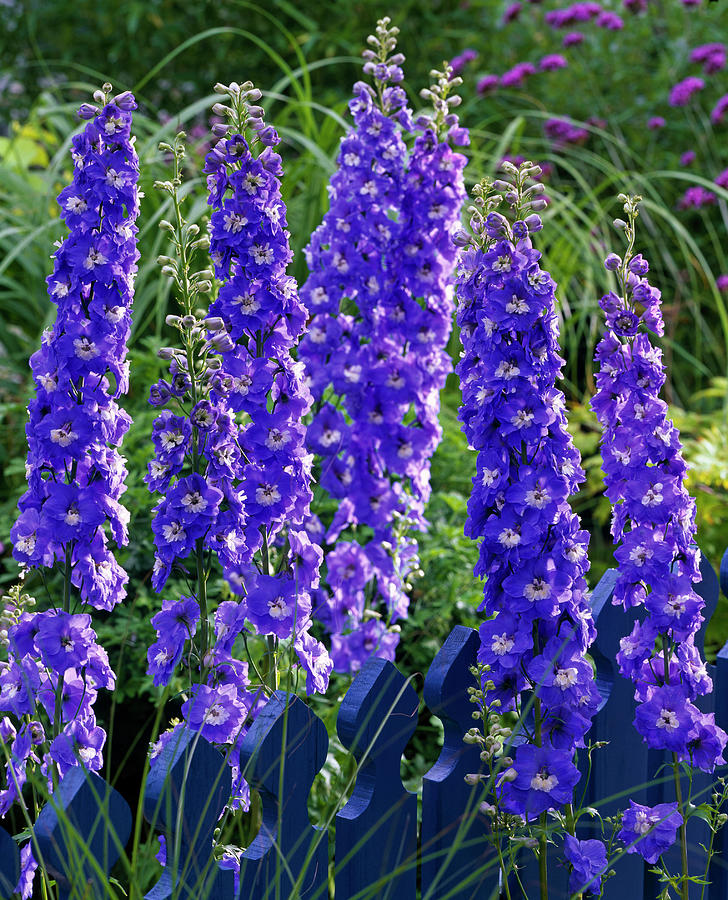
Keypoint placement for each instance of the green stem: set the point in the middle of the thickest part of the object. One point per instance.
(505, 889)
(684, 883)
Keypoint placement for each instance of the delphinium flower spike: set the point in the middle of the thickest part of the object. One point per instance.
(533, 553)
(653, 525)
(230, 459)
(75, 473)
(381, 297)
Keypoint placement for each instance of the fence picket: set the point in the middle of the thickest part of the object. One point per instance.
(281, 754)
(450, 806)
(186, 790)
(81, 832)
(376, 832)
(9, 864)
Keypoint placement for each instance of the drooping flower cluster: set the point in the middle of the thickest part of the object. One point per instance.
(533, 554)
(54, 667)
(381, 300)
(231, 462)
(653, 520)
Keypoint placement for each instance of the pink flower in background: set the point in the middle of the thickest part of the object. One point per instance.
(635, 6)
(517, 75)
(609, 20)
(721, 283)
(722, 179)
(572, 39)
(552, 62)
(712, 56)
(488, 83)
(687, 158)
(459, 62)
(656, 122)
(695, 197)
(682, 92)
(512, 12)
(718, 111)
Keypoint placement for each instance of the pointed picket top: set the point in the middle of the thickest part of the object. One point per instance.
(450, 813)
(9, 864)
(186, 791)
(81, 832)
(280, 755)
(376, 832)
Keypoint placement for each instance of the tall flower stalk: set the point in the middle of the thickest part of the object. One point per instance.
(653, 525)
(230, 457)
(71, 510)
(381, 297)
(533, 553)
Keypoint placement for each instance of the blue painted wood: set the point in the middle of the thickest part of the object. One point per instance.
(620, 768)
(9, 864)
(281, 754)
(85, 813)
(718, 873)
(185, 793)
(449, 805)
(376, 832)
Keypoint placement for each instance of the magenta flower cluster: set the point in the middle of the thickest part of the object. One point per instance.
(381, 302)
(533, 553)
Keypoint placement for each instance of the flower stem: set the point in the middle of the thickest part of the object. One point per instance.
(684, 883)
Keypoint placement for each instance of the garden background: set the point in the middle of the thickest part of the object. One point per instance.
(602, 124)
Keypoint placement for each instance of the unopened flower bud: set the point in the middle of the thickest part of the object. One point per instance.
(472, 780)
(173, 321)
(87, 111)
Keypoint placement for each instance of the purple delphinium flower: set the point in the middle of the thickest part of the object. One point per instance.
(681, 92)
(380, 297)
(588, 860)
(71, 511)
(650, 831)
(532, 551)
(654, 519)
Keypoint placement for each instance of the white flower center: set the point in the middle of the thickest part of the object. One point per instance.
(667, 720)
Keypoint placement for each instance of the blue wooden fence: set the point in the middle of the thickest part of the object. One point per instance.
(379, 851)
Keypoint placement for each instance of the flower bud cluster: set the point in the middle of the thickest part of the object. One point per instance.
(653, 519)
(381, 302)
(533, 553)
